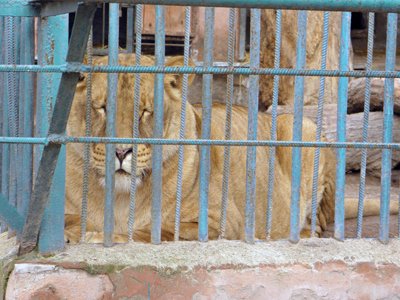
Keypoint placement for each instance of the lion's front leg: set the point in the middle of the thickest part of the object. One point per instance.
(72, 232)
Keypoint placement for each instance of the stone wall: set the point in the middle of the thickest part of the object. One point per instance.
(311, 269)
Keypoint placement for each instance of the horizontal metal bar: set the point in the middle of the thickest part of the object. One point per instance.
(60, 139)
(18, 8)
(25, 8)
(50, 7)
(341, 5)
(74, 68)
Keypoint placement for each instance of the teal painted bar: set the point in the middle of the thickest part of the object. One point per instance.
(61, 139)
(76, 67)
(27, 88)
(298, 127)
(9, 214)
(18, 8)
(28, 8)
(345, 43)
(340, 5)
(157, 162)
(252, 124)
(386, 165)
(111, 129)
(54, 32)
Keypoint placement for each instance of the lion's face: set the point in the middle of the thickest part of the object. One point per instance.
(124, 119)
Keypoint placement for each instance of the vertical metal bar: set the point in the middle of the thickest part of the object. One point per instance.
(129, 29)
(15, 162)
(341, 125)
(2, 98)
(112, 84)
(12, 113)
(242, 33)
(54, 51)
(252, 126)
(27, 86)
(5, 165)
(206, 124)
(320, 110)
(158, 128)
(20, 49)
(391, 38)
(274, 116)
(88, 131)
(363, 171)
(228, 121)
(43, 102)
(182, 125)
(298, 126)
(21, 109)
(80, 32)
(10, 215)
(136, 99)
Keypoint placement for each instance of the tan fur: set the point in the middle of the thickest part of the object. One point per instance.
(190, 185)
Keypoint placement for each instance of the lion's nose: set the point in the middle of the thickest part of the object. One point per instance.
(122, 153)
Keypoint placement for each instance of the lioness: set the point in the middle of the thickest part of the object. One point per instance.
(189, 209)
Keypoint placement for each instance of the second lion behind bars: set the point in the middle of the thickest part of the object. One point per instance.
(190, 185)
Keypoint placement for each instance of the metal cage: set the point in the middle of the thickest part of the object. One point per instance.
(32, 194)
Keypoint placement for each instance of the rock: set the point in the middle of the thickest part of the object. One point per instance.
(50, 282)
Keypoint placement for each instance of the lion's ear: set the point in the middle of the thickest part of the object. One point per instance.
(176, 80)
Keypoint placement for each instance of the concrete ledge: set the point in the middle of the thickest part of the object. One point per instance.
(311, 269)
(217, 254)
(8, 253)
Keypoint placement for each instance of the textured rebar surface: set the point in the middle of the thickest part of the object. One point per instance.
(13, 114)
(363, 170)
(320, 111)
(274, 116)
(228, 122)
(182, 125)
(216, 70)
(136, 99)
(88, 131)
(59, 139)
